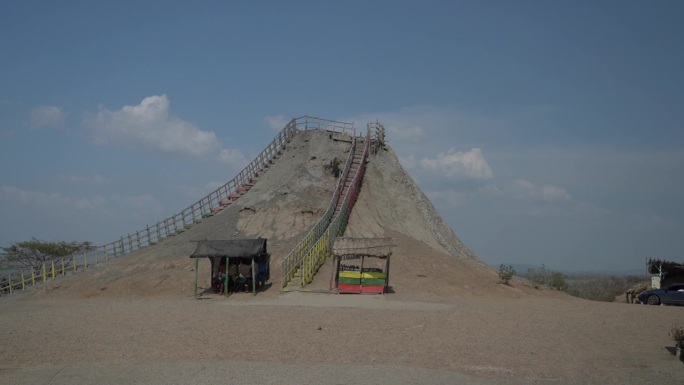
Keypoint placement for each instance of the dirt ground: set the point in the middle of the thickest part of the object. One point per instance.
(465, 339)
(448, 319)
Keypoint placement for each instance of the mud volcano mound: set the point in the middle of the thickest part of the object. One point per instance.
(285, 202)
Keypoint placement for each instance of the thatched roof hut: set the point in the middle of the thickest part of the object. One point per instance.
(374, 247)
(352, 273)
(665, 272)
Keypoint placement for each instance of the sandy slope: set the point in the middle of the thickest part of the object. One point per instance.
(286, 201)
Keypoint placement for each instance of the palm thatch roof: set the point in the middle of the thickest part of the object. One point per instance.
(655, 266)
(371, 247)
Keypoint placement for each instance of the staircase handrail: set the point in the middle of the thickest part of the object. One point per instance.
(292, 262)
(322, 249)
(378, 136)
(189, 216)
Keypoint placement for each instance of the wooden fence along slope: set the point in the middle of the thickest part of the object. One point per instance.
(177, 223)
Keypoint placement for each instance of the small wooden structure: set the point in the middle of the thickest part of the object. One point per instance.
(664, 273)
(361, 265)
(251, 252)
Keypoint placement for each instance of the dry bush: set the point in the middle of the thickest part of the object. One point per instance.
(600, 287)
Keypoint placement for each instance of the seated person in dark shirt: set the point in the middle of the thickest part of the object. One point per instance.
(262, 268)
(245, 271)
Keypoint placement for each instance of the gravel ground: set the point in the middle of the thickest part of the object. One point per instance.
(306, 337)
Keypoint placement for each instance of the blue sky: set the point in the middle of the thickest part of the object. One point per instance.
(543, 131)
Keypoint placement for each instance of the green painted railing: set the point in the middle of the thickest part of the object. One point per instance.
(314, 250)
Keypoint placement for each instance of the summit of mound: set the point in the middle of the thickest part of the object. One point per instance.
(288, 198)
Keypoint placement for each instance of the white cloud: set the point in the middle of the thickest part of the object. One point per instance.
(89, 204)
(232, 156)
(456, 165)
(46, 117)
(146, 203)
(40, 198)
(276, 122)
(406, 134)
(149, 126)
(523, 189)
(26, 197)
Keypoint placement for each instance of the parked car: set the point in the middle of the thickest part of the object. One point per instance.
(670, 295)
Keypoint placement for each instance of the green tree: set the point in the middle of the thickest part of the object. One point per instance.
(33, 253)
(539, 276)
(506, 273)
(547, 277)
(601, 287)
(558, 281)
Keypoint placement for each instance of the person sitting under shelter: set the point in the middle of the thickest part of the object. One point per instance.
(216, 284)
(262, 269)
(219, 280)
(245, 276)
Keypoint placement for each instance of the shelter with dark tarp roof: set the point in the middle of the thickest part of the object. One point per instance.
(233, 259)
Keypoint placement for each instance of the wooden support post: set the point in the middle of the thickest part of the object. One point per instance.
(63, 266)
(196, 275)
(254, 276)
(225, 284)
(44, 273)
(33, 277)
(332, 274)
(137, 236)
(74, 261)
(97, 256)
(53, 269)
(23, 287)
(85, 259)
(363, 258)
(106, 255)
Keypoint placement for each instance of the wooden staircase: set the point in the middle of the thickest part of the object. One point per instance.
(295, 284)
(353, 169)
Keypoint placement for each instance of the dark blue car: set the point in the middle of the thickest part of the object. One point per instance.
(670, 295)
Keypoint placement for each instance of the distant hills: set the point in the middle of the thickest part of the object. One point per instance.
(522, 268)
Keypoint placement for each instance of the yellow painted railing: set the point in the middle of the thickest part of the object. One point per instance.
(316, 247)
(48, 270)
(191, 215)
